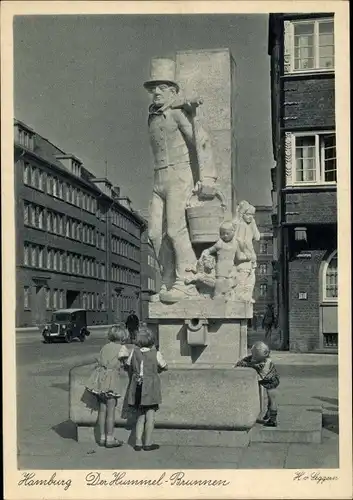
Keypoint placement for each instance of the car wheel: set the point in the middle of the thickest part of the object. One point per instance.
(46, 340)
(68, 337)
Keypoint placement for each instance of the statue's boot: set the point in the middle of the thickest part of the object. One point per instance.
(179, 291)
(156, 296)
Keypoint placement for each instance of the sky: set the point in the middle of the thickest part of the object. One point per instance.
(78, 81)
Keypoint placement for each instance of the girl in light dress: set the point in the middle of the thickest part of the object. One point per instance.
(144, 393)
(105, 383)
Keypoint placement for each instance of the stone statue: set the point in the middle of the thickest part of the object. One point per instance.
(245, 258)
(175, 137)
(235, 257)
(203, 275)
(224, 250)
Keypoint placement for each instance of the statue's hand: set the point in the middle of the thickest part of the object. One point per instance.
(206, 189)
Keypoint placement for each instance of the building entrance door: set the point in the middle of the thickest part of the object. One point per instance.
(39, 305)
(329, 304)
(73, 299)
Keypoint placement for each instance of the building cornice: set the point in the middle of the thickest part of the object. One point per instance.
(312, 75)
(308, 189)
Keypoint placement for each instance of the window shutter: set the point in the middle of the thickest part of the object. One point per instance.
(288, 154)
(288, 44)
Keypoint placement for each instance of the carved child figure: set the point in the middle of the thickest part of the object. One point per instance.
(246, 228)
(203, 274)
(224, 250)
(245, 259)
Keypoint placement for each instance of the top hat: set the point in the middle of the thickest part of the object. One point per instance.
(162, 71)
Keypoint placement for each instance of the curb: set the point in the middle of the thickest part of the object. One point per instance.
(36, 329)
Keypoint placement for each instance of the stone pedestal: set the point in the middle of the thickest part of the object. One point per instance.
(196, 407)
(225, 325)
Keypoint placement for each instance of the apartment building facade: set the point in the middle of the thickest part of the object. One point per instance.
(263, 291)
(77, 245)
(301, 48)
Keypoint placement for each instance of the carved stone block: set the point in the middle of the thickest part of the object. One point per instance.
(201, 308)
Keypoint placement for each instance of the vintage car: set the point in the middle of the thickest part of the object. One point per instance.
(66, 324)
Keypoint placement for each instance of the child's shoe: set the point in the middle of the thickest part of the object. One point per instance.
(272, 421)
(101, 442)
(266, 416)
(112, 442)
(151, 447)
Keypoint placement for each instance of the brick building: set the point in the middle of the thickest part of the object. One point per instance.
(263, 291)
(78, 244)
(301, 48)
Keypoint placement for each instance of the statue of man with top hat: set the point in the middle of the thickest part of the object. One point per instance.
(174, 142)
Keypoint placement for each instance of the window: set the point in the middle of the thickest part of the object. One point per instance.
(310, 45)
(33, 256)
(25, 213)
(61, 299)
(55, 187)
(73, 230)
(61, 224)
(263, 247)
(55, 299)
(51, 258)
(49, 184)
(40, 258)
(55, 260)
(40, 218)
(102, 241)
(61, 261)
(68, 193)
(26, 254)
(49, 222)
(26, 173)
(26, 297)
(84, 300)
(263, 269)
(47, 298)
(25, 138)
(41, 180)
(315, 158)
(33, 215)
(151, 284)
(34, 177)
(73, 264)
(263, 290)
(55, 224)
(330, 280)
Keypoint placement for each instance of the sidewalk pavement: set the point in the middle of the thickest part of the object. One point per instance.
(68, 454)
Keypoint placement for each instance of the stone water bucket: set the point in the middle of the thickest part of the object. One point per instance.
(205, 218)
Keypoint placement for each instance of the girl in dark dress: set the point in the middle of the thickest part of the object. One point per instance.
(144, 392)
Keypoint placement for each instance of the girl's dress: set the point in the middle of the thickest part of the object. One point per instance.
(105, 380)
(266, 370)
(144, 391)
